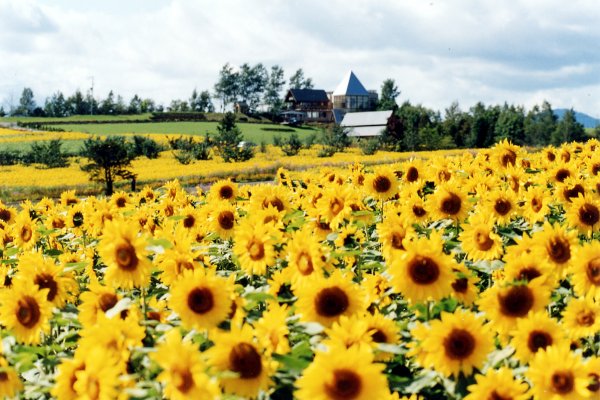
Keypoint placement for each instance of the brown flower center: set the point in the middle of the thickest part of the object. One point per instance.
(397, 239)
(274, 202)
(189, 221)
(245, 360)
(589, 214)
(28, 312)
(226, 220)
(305, 263)
(559, 250)
(226, 192)
(516, 302)
(126, 257)
(4, 215)
(346, 384)
(595, 385)
(483, 240)
(3, 376)
(502, 206)
(379, 336)
(459, 344)
(200, 300)
(331, 302)
(596, 169)
(528, 274)
(77, 219)
(423, 270)
(336, 205)
(460, 285)
(169, 210)
(121, 202)
(106, 301)
(46, 281)
(509, 157)
(562, 174)
(563, 382)
(451, 204)
(418, 211)
(574, 192)
(58, 223)
(412, 174)
(26, 233)
(256, 249)
(497, 396)
(538, 340)
(183, 380)
(382, 184)
(593, 271)
(586, 318)
(536, 204)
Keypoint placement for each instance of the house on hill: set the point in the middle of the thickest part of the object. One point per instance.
(351, 96)
(366, 124)
(307, 105)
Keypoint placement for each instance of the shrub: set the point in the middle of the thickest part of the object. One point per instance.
(229, 141)
(144, 146)
(369, 146)
(9, 157)
(47, 153)
(291, 145)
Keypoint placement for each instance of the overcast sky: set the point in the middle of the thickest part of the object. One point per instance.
(518, 51)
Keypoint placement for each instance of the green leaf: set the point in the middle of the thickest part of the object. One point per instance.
(258, 296)
(293, 364)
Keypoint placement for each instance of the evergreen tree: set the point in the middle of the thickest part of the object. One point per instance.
(389, 92)
(229, 140)
(568, 130)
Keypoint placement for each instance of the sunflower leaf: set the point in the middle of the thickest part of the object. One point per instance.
(293, 364)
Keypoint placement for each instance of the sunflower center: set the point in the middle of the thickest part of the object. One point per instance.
(379, 336)
(77, 219)
(483, 240)
(305, 263)
(58, 223)
(200, 300)
(121, 202)
(336, 205)
(189, 221)
(559, 250)
(28, 312)
(412, 174)
(331, 302)
(459, 344)
(46, 281)
(562, 174)
(226, 192)
(574, 192)
(444, 175)
(423, 270)
(397, 238)
(451, 204)
(226, 220)
(589, 214)
(536, 204)
(183, 380)
(586, 318)
(528, 274)
(4, 215)
(183, 265)
(3, 376)
(497, 396)
(418, 211)
(245, 360)
(126, 257)
(274, 202)
(26, 233)
(593, 271)
(256, 249)
(563, 382)
(502, 206)
(517, 301)
(346, 384)
(382, 184)
(106, 301)
(538, 340)
(460, 285)
(509, 157)
(93, 388)
(595, 385)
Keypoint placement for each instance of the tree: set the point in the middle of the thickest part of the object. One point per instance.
(109, 159)
(456, 124)
(77, 104)
(135, 105)
(201, 102)
(56, 106)
(26, 103)
(483, 125)
(108, 105)
(539, 125)
(389, 92)
(568, 130)
(2, 112)
(229, 140)
(297, 81)
(510, 125)
(227, 87)
(272, 96)
(252, 82)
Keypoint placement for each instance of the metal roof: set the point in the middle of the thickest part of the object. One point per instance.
(369, 118)
(362, 131)
(309, 95)
(350, 86)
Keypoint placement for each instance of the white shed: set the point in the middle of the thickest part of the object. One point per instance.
(365, 124)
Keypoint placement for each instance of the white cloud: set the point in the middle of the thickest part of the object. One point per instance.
(521, 51)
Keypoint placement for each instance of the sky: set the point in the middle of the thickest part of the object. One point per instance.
(517, 51)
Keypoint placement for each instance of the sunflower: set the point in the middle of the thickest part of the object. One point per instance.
(586, 270)
(25, 311)
(223, 190)
(264, 196)
(68, 198)
(325, 300)
(592, 367)
(413, 171)
(584, 214)
(504, 305)
(343, 374)
(448, 201)
(223, 218)
(305, 256)
(272, 330)
(76, 217)
(24, 231)
(505, 153)
(237, 351)
(571, 188)
(7, 215)
(123, 251)
(382, 183)
(383, 331)
(423, 272)
(557, 373)
(581, 317)
(534, 333)
(333, 206)
(97, 300)
(254, 246)
(175, 260)
(98, 378)
(529, 267)
(458, 342)
(464, 286)
(497, 384)
(556, 244)
(10, 384)
(535, 204)
(391, 232)
(500, 204)
(201, 298)
(561, 172)
(414, 209)
(348, 332)
(182, 369)
(44, 273)
(478, 239)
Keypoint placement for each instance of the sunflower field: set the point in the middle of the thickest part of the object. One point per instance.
(471, 277)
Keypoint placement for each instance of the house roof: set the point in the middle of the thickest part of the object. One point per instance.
(308, 95)
(369, 118)
(338, 115)
(362, 131)
(350, 86)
